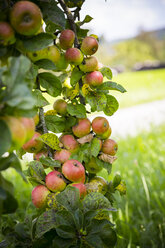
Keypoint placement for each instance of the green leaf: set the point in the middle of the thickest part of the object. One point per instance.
(55, 123)
(69, 199)
(46, 64)
(66, 232)
(50, 162)
(51, 140)
(5, 138)
(104, 165)
(3, 194)
(95, 147)
(101, 234)
(95, 201)
(51, 83)
(106, 71)
(36, 171)
(87, 19)
(59, 242)
(45, 222)
(40, 101)
(75, 76)
(38, 42)
(111, 86)
(97, 101)
(116, 180)
(10, 204)
(77, 110)
(111, 106)
(70, 122)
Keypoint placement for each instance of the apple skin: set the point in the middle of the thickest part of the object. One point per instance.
(62, 155)
(74, 56)
(36, 119)
(51, 52)
(69, 142)
(33, 145)
(37, 156)
(92, 167)
(29, 126)
(39, 195)
(109, 147)
(66, 39)
(89, 45)
(26, 18)
(61, 64)
(89, 64)
(81, 187)
(82, 128)
(100, 125)
(73, 170)
(7, 34)
(55, 181)
(105, 135)
(17, 130)
(60, 106)
(94, 78)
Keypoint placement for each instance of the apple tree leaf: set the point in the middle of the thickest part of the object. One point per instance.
(111, 106)
(51, 140)
(75, 76)
(106, 71)
(95, 147)
(5, 138)
(109, 85)
(55, 123)
(36, 171)
(77, 110)
(40, 101)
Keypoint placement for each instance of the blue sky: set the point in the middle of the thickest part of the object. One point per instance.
(117, 19)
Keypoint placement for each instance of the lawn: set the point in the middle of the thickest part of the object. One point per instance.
(141, 86)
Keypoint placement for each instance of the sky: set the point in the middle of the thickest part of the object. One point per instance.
(119, 19)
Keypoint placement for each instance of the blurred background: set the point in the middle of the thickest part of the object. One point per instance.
(132, 44)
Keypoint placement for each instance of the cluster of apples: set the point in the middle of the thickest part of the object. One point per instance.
(25, 19)
(72, 172)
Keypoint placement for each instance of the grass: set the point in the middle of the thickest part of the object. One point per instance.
(142, 87)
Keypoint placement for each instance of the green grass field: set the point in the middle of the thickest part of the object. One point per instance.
(142, 87)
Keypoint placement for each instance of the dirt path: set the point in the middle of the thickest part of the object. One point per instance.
(130, 121)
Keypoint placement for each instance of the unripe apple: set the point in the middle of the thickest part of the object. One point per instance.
(92, 166)
(105, 135)
(73, 170)
(100, 125)
(94, 78)
(66, 39)
(26, 18)
(36, 119)
(89, 45)
(62, 155)
(37, 156)
(55, 181)
(74, 56)
(39, 195)
(61, 64)
(60, 106)
(17, 130)
(89, 64)
(29, 127)
(82, 128)
(82, 189)
(69, 142)
(97, 184)
(33, 145)
(7, 34)
(51, 52)
(110, 147)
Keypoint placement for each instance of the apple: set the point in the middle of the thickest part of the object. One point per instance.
(29, 125)
(74, 56)
(66, 39)
(92, 166)
(33, 145)
(51, 52)
(55, 181)
(106, 134)
(81, 187)
(62, 155)
(97, 184)
(82, 128)
(7, 34)
(37, 156)
(73, 170)
(69, 142)
(39, 196)
(110, 147)
(100, 125)
(89, 45)
(26, 18)
(17, 130)
(60, 106)
(61, 64)
(89, 64)
(94, 78)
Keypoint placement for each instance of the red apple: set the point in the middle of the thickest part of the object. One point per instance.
(69, 142)
(39, 195)
(62, 155)
(94, 78)
(82, 128)
(82, 189)
(110, 147)
(38, 155)
(100, 125)
(73, 170)
(89, 45)
(66, 39)
(33, 145)
(74, 56)
(7, 34)
(29, 125)
(55, 181)
(89, 64)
